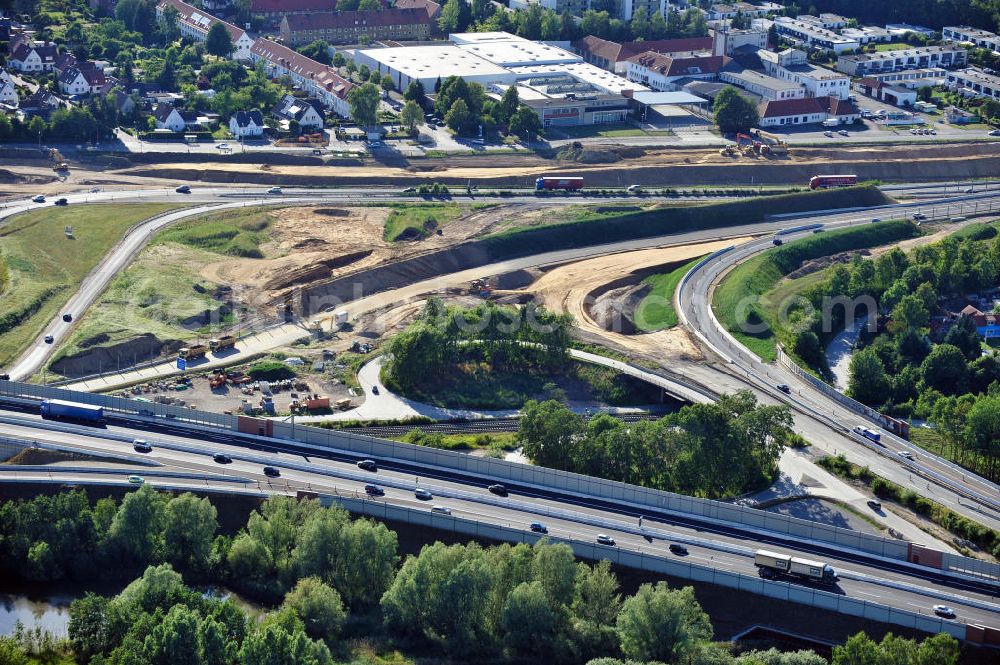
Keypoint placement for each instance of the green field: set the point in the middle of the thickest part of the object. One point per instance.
(656, 311)
(45, 266)
(892, 47)
(608, 131)
(415, 221)
(233, 233)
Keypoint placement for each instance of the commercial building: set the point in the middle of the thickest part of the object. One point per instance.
(806, 111)
(974, 82)
(727, 40)
(316, 79)
(824, 21)
(661, 72)
(195, 23)
(812, 35)
(867, 35)
(885, 92)
(793, 65)
(507, 50)
(966, 35)
(913, 78)
(766, 87)
(562, 100)
(353, 27)
(727, 12)
(614, 56)
(430, 64)
(865, 64)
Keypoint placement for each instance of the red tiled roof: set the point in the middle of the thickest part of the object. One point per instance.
(384, 17)
(840, 107)
(324, 76)
(432, 8)
(290, 6)
(671, 66)
(615, 52)
(784, 107)
(190, 14)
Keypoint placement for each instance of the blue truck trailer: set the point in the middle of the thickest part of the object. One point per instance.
(57, 408)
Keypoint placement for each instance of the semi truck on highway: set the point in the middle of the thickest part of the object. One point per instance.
(771, 565)
(221, 344)
(192, 352)
(870, 434)
(824, 181)
(57, 408)
(558, 183)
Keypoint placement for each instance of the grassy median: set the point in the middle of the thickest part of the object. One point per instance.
(656, 311)
(44, 267)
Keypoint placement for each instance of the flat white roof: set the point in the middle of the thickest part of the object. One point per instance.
(667, 98)
(597, 77)
(509, 53)
(483, 37)
(423, 62)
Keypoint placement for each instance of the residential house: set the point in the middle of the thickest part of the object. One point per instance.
(246, 124)
(33, 57)
(315, 78)
(793, 65)
(863, 64)
(727, 12)
(272, 11)
(966, 35)
(957, 116)
(41, 103)
(660, 72)
(8, 93)
(574, 7)
(824, 21)
(974, 82)
(307, 112)
(167, 117)
(5, 76)
(81, 79)
(792, 112)
(63, 62)
(195, 23)
(987, 325)
(614, 56)
(628, 8)
(354, 27)
(884, 92)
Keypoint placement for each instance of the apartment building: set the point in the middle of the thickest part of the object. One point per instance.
(195, 23)
(315, 78)
(353, 27)
(966, 35)
(766, 87)
(661, 72)
(913, 78)
(574, 7)
(628, 8)
(974, 82)
(270, 12)
(866, 64)
(793, 65)
(614, 56)
(824, 21)
(811, 35)
(727, 40)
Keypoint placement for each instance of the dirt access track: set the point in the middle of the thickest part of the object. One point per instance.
(618, 167)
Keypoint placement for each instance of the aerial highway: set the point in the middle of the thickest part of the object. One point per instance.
(694, 298)
(183, 461)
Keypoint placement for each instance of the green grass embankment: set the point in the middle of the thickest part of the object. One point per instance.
(595, 229)
(656, 311)
(44, 267)
(410, 221)
(232, 233)
(743, 295)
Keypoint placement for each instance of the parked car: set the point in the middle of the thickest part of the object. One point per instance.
(183, 189)
(422, 494)
(538, 527)
(38, 199)
(62, 202)
(603, 539)
(995, 132)
(497, 489)
(368, 465)
(441, 510)
(222, 459)
(874, 505)
(944, 611)
(374, 490)
(634, 189)
(271, 472)
(141, 446)
(677, 549)
(136, 480)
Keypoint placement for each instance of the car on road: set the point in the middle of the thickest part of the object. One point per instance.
(538, 527)
(141, 446)
(777, 242)
(603, 539)
(783, 387)
(876, 220)
(828, 135)
(905, 453)
(410, 190)
(62, 202)
(367, 465)
(136, 480)
(634, 189)
(38, 199)
(678, 549)
(917, 216)
(995, 132)
(843, 132)
(944, 611)
(374, 490)
(969, 190)
(49, 339)
(422, 494)
(67, 317)
(222, 459)
(222, 146)
(441, 510)
(497, 489)
(874, 505)
(274, 190)
(271, 472)
(183, 189)
(374, 390)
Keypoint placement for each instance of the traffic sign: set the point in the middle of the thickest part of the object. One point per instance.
(182, 364)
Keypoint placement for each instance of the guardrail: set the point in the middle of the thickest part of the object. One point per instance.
(658, 564)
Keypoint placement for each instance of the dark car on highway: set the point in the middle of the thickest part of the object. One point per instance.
(62, 202)
(141, 446)
(538, 527)
(783, 387)
(271, 472)
(679, 550)
(222, 459)
(183, 189)
(498, 489)
(374, 490)
(367, 465)
(67, 317)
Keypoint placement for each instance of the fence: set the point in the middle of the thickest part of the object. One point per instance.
(630, 496)
(657, 564)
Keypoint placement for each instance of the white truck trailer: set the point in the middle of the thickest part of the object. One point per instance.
(772, 565)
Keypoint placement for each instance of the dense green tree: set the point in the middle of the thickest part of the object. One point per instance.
(319, 607)
(218, 42)
(364, 100)
(213, 646)
(529, 622)
(964, 336)
(136, 531)
(868, 382)
(455, 16)
(945, 370)
(189, 527)
(526, 124)
(319, 51)
(459, 119)
(415, 93)
(508, 105)
(412, 116)
(548, 432)
(733, 112)
(910, 313)
(661, 624)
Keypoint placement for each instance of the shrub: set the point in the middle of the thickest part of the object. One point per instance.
(271, 370)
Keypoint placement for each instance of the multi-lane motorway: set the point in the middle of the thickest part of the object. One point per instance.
(182, 461)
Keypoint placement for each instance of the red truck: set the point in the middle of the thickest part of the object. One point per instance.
(558, 183)
(824, 181)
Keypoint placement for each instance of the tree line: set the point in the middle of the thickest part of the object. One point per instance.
(712, 450)
(931, 13)
(520, 339)
(331, 578)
